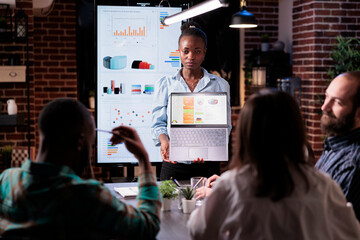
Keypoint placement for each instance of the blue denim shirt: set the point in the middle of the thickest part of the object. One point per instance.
(169, 84)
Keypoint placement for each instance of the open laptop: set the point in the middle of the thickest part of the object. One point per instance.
(198, 126)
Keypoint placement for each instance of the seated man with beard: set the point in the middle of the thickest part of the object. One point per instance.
(341, 122)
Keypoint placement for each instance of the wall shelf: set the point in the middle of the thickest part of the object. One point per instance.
(12, 120)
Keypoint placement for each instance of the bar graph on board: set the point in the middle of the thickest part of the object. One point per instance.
(163, 15)
(174, 59)
(131, 32)
(126, 27)
(111, 150)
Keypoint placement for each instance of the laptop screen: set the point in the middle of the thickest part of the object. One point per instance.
(196, 109)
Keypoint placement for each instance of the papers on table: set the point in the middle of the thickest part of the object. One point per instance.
(127, 192)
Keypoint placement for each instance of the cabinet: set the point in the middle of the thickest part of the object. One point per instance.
(13, 73)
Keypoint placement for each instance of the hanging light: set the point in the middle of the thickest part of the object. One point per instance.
(196, 10)
(21, 25)
(243, 19)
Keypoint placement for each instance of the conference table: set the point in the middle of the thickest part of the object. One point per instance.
(173, 223)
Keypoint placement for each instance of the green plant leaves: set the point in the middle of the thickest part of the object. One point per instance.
(188, 192)
(168, 189)
(346, 56)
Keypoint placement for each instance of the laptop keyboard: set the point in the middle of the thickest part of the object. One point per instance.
(198, 137)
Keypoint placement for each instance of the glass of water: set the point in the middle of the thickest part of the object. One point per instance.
(199, 184)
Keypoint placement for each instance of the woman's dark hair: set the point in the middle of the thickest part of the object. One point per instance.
(193, 29)
(270, 137)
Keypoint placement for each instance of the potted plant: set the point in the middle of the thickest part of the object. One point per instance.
(188, 202)
(168, 191)
(264, 42)
(346, 56)
(6, 152)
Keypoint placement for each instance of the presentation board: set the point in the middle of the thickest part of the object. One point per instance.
(133, 50)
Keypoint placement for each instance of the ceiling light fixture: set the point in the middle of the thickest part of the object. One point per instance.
(243, 19)
(196, 10)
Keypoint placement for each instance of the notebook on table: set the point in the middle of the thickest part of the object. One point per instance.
(198, 126)
(127, 192)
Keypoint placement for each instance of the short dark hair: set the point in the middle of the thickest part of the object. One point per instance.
(63, 119)
(270, 137)
(193, 29)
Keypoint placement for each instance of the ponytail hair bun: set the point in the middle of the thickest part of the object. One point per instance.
(193, 29)
(188, 25)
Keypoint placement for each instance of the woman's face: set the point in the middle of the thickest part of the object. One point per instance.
(192, 52)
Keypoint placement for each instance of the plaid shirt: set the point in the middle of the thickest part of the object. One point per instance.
(50, 201)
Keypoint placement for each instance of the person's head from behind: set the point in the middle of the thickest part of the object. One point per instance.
(270, 138)
(192, 45)
(66, 133)
(341, 109)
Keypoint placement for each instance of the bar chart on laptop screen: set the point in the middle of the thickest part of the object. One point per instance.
(133, 51)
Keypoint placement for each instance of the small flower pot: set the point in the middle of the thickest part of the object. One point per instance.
(265, 46)
(166, 204)
(188, 205)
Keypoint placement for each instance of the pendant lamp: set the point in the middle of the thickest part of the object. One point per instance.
(243, 19)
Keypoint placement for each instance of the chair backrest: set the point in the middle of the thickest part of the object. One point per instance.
(20, 154)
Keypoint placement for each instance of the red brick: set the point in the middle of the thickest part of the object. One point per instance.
(331, 5)
(52, 64)
(51, 76)
(12, 136)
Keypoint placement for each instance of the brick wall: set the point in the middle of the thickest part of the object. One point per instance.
(266, 13)
(52, 66)
(315, 26)
(17, 135)
(52, 70)
(54, 56)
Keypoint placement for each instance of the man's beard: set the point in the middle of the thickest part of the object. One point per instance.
(333, 126)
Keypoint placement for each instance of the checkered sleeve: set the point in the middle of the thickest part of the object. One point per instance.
(143, 222)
